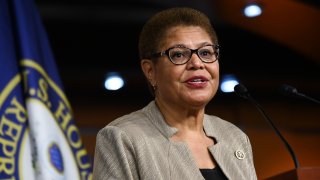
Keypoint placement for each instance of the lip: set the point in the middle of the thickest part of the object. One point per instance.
(197, 81)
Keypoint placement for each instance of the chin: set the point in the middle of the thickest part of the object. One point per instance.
(199, 102)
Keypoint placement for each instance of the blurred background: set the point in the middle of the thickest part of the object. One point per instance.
(96, 38)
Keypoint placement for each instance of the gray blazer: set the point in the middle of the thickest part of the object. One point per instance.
(138, 146)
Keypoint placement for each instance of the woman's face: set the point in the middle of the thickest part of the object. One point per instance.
(194, 83)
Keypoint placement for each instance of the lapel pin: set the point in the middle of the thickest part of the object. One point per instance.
(240, 154)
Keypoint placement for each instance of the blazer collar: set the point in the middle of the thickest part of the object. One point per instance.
(154, 115)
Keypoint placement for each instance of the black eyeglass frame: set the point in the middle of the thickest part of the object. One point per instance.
(166, 52)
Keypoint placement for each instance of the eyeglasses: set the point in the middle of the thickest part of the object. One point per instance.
(180, 55)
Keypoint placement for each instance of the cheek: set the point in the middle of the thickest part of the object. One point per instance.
(214, 71)
(164, 76)
(170, 74)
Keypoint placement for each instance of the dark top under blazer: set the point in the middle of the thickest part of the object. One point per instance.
(138, 146)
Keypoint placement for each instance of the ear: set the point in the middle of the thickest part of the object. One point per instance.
(148, 69)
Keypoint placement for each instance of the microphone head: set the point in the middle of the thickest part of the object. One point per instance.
(241, 91)
(288, 90)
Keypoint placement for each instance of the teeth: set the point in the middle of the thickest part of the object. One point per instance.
(197, 80)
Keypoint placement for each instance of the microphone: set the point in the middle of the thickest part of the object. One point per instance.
(292, 91)
(243, 92)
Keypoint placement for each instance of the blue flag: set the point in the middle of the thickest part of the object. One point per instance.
(38, 135)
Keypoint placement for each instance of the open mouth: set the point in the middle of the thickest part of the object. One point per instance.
(197, 80)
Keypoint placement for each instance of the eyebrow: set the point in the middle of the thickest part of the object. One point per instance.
(178, 45)
(198, 46)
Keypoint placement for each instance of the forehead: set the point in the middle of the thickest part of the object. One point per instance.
(191, 36)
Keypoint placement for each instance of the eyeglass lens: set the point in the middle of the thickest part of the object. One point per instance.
(180, 55)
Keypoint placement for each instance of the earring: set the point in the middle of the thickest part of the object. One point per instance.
(154, 87)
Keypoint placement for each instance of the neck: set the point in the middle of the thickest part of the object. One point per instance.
(182, 117)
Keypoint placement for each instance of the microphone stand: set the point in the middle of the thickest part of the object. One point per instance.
(242, 92)
(289, 148)
(308, 98)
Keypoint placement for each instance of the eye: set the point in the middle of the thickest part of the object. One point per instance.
(206, 53)
(177, 54)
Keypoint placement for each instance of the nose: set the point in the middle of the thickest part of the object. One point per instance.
(195, 62)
